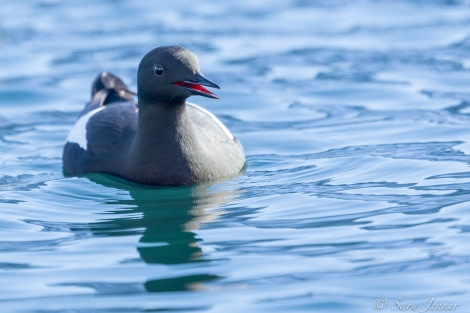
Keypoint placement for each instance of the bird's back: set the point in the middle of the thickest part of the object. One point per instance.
(105, 126)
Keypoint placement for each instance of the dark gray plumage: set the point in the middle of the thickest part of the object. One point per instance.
(165, 141)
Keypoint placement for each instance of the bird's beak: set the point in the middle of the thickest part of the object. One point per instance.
(196, 86)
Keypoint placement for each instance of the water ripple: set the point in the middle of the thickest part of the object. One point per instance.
(356, 135)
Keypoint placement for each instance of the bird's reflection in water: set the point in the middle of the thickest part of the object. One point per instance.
(166, 217)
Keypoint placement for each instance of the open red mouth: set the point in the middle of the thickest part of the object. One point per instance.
(196, 89)
(195, 84)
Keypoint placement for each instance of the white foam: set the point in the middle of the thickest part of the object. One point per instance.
(78, 132)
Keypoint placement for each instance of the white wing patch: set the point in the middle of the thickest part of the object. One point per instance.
(78, 132)
(214, 118)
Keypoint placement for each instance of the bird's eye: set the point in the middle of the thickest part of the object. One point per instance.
(158, 69)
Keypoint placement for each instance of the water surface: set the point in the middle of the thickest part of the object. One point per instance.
(354, 117)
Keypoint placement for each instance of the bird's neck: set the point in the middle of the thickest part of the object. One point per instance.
(160, 123)
(164, 135)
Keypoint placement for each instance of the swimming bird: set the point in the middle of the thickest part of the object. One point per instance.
(164, 140)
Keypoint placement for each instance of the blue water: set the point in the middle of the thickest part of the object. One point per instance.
(355, 118)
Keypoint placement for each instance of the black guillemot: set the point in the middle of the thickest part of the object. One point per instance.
(163, 140)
